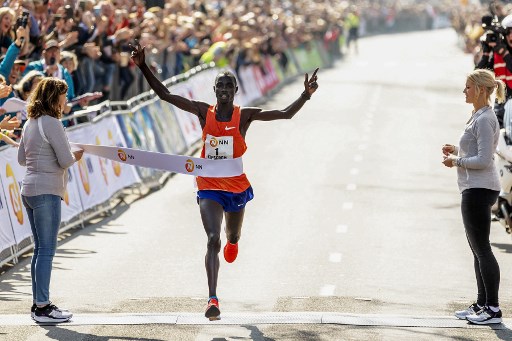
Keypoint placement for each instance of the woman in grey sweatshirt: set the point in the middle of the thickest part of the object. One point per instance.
(45, 151)
(479, 184)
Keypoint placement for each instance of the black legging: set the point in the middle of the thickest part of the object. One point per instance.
(476, 215)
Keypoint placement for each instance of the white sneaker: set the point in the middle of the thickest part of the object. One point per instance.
(51, 314)
(485, 316)
(472, 309)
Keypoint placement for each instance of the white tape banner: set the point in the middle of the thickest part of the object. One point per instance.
(167, 162)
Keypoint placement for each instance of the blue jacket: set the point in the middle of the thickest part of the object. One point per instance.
(38, 66)
(10, 56)
(6, 65)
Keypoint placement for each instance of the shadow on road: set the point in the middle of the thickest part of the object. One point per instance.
(504, 333)
(503, 247)
(58, 333)
(256, 334)
(14, 277)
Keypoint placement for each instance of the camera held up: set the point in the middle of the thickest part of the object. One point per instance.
(22, 20)
(494, 32)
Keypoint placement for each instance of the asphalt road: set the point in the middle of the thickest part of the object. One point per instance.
(353, 214)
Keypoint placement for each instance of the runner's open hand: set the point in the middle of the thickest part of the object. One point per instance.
(138, 55)
(310, 85)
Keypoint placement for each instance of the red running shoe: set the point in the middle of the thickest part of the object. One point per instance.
(212, 310)
(230, 252)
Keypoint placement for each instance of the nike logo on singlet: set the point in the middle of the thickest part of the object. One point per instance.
(229, 128)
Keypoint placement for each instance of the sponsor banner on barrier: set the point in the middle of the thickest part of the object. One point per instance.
(115, 175)
(308, 59)
(201, 85)
(6, 233)
(168, 127)
(91, 186)
(248, 84)
(135, 137)
(143, 119)
(189, 123)
(271, 78)
(11, 174)
(172, 163)
(71, 204)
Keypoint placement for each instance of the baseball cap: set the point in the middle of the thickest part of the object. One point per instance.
(51, 43)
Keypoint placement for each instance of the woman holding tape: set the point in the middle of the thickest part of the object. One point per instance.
(44, 149)
(224, 127)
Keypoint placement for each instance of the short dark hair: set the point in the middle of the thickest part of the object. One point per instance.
(226, 74)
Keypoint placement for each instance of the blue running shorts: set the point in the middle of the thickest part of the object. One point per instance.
(231, 202)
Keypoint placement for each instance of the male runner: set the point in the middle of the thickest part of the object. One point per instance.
(224, 127)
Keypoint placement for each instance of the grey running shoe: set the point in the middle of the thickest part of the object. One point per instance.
(51, 314)
(485, 316)
(472, 309)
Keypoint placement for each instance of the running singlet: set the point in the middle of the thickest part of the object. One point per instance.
(222, 140)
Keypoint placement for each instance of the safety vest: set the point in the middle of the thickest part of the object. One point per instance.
(501, 71)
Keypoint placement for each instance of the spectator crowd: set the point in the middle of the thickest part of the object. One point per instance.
(86, 42)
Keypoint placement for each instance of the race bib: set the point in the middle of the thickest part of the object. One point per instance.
(218, 147)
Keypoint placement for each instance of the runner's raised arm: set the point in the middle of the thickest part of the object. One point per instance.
(194, 107)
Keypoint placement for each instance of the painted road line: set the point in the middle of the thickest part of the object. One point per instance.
(347, 205)
(335, 257)
(244, 318)
(341, 229)
(327, 290)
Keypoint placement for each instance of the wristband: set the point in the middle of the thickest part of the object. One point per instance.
(305, 95)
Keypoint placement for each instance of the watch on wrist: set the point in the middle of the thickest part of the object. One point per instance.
(455, 163)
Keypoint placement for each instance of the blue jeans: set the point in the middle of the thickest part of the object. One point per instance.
(44, 212)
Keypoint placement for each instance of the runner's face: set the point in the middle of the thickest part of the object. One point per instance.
(225, 89)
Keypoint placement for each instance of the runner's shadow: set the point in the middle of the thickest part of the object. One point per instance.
(58, 333)
(503, 247)
(256, 335)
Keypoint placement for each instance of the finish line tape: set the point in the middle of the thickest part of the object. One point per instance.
(168, 162)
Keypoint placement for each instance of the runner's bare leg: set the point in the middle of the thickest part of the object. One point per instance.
(211, 215)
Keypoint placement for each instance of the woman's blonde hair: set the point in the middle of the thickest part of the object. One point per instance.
(45, 98)
(485, 81)
(5, 11)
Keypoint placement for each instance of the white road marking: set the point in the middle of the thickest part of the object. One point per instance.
(327, 290)
(354, 171)
(358, 158)
(351, 187)
(255, 318)
(341, 229)
(347, 205)
(335, 257)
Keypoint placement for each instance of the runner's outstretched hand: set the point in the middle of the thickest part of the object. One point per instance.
(138, 55)
(310, 85)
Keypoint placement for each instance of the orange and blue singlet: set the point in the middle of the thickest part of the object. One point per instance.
(223, 140)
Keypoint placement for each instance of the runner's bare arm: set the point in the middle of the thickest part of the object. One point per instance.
(195, 107)
(258, 114)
